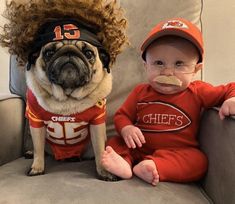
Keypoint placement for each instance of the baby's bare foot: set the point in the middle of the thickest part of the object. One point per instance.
(115, 164)
(147, 171)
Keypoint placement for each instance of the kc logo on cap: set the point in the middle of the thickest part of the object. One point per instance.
(174, 24)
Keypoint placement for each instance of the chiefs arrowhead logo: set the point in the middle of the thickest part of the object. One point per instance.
(161, 117)
(174, 24)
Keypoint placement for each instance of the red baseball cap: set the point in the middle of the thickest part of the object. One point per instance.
(178, 27)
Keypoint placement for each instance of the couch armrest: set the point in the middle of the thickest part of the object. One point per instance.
(217, 140)
(11, 127)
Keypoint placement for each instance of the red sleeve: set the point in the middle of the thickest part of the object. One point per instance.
(30, 113)
(211, 95)
(126, 114)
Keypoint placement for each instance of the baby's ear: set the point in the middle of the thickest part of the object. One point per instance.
(198, 67)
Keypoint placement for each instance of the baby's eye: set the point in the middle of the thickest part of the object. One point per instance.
(158, 63)
(179, 64)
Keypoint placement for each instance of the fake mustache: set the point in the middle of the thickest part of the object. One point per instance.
(170, 80)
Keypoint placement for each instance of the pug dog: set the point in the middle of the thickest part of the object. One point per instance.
(68, 79)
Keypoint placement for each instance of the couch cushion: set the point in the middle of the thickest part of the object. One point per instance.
(11, 126)
(17, 82)
(219, 144)
(76, 182)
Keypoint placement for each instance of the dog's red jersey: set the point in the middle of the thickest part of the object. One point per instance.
(67, 135)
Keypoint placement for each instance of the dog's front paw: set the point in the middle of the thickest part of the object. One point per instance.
(33, 172)
(36, 169)
(107, 176)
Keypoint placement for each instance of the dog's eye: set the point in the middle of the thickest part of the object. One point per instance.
(89, 54)
(48, 54)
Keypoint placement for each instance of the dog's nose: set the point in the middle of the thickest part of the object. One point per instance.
(69, 76)
(68, 73)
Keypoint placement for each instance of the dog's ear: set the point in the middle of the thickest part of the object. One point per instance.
(32, 59)
(105, 58)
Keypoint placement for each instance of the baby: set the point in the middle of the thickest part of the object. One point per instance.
(159, 120)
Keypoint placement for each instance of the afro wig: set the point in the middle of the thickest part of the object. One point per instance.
(25, 17)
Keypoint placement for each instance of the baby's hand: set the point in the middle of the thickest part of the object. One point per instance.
(132, 136)
(227, 108)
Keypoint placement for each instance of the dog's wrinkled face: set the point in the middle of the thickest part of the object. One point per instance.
(68, 68)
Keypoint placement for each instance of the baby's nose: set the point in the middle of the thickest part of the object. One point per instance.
(168, 71)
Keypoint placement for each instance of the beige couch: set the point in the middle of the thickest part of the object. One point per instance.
(76, 182)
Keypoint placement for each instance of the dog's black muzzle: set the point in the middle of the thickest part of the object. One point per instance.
(69, 69)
